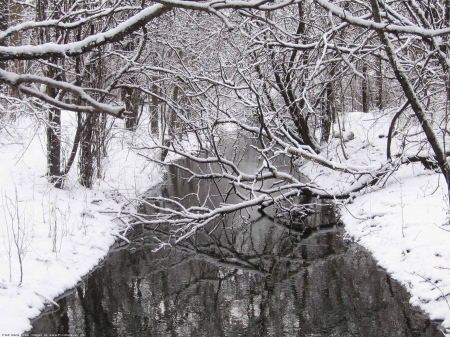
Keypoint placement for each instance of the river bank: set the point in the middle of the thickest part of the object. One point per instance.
(59, 234)
(250, 276)
(403, 221)
(65, 233)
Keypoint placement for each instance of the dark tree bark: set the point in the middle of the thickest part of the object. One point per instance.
(86, 161)
(4, 12)
(329, 109)
(54, 147)
(154, 110)
(132, 100)
(54, 115)
(173, 127)
(283, 79)
(93, 136)
(92, 148)
(380, 84)
(365, 89)
(410, 94)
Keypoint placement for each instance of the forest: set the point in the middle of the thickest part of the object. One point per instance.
(182, 78)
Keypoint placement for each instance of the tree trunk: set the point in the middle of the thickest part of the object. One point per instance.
(54, 147)
(365, 89)
(54, 115)
(92, 148)
(86, 160)
(154, 110)
(329, 108)
(94, 135)
(163, 125)
(380, 84)
(410, 94)
(4, 10)
(174, 130)
(54, 138)
(131, 98)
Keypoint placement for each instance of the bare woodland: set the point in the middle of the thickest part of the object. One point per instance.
(283, 73)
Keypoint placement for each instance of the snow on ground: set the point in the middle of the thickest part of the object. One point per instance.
(403, 221)
(60, 235)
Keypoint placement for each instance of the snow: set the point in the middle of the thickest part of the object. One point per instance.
(363, 22)
(76, 47)
(94, 107)
(403, 222)
(63, 233)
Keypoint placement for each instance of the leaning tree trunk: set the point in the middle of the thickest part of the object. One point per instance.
(329, 111)
(410, 94)
(284, 78)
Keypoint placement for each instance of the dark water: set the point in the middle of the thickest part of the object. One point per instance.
(251, 277)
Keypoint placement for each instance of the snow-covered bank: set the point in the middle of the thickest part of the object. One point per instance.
(403, 221)
(60, 235)
(65, 233)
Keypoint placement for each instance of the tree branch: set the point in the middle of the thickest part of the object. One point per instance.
(93, 106)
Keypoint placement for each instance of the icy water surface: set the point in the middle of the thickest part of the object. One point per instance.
(257, 277)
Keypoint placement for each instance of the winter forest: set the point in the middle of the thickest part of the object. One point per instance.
(257, 105)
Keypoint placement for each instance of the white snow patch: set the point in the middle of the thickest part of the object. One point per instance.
(403, 222)
(63, 234)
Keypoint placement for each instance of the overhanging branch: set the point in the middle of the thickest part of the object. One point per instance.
(54, 50)
(92, 106)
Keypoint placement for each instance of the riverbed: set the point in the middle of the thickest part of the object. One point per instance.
(254, 275)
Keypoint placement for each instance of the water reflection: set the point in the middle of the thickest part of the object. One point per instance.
(252, 276)
(266, 281)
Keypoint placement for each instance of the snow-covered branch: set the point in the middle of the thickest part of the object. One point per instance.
(19, 81)
(64, 23)
(381, 26)
(186, 221)
(47, 50)
(266, 5)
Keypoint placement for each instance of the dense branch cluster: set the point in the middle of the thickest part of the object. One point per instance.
(283, 73)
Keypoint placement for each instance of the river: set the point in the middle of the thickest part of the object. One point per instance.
(251, 277)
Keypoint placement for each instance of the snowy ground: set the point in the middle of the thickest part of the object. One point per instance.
(62, 234)
(59, 234)
(403, 221)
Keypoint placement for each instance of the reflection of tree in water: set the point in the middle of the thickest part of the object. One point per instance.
(259, 279)
(245, 278)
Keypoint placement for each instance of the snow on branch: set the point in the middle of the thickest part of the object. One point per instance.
(386, 27)
(265, 5)
(115, 34)
(307, 153)
(47, 50)
(187, 221)
(93, 106)
(59, 23)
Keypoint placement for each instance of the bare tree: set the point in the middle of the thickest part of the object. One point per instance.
(280, 73)
(270, 84)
